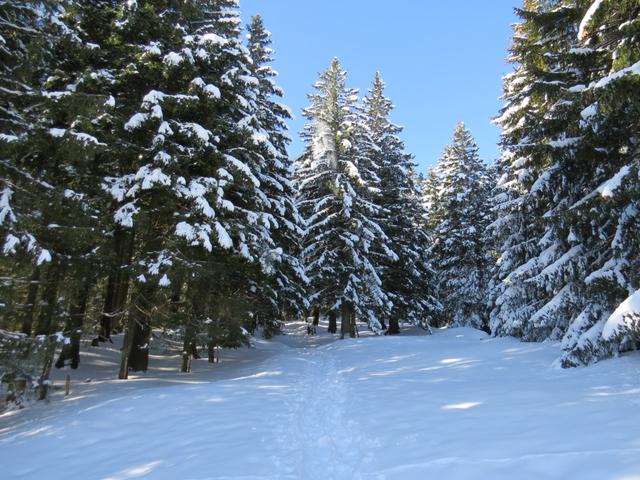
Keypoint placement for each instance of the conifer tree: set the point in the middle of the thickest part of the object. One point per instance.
(536, 275)
(607, 216)
(285, 288)
(404, 273)
(334, 199)
(194, 192)
(567, 173)
(459, 218)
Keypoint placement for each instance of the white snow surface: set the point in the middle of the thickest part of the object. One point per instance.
(455, 405)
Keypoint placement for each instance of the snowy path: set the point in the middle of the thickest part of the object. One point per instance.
(457, 405)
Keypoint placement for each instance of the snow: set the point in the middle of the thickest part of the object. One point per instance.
(6, 211)
(623, 316)
(608, 188)
(589, 112)
(173, 59)
(43, 257)
(242, 167)
(183, 229)
(195, 235)
(212, 91)
(213, 39)
(135, 121)
(86, 139)
(153, 97)
(57, 132)
(224, 240)
(152, 177)
(10, 244)
(202, 133)
(455, 405)
(8, 138)
(124, 215)
(152, 49)
(603, 82)
(582, 30)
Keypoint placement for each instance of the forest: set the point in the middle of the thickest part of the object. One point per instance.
(146, 185)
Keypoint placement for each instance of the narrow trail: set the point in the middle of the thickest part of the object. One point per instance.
(321, 439)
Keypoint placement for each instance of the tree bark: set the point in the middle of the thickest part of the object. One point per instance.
(345, 320)
(394, 326)
(353, 331)
(135, 349)
(49, 299)
(139, 356)
(74, 325)
(109, 308)
(176, 293)
(43, 382)
(316, 317)
(198, 304)
(30, 305)
(117, 287)
(333, 324)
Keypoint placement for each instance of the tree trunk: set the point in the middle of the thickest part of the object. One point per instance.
(316, 317)
(117, 283)
(333, 324)
(135, 349)
(49, 299)
(353, 330)
(394, 326)
(74, 325)
(139, 356)
(198, 304)
(345, 320)
(176, 293)
(30, 305)
(43, 381)
(109, 308)
(383, 324)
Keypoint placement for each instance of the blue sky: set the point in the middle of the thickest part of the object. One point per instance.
(442, 60)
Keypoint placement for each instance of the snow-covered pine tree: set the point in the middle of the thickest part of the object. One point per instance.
(27, 31)
(19, 34)
(459, 218)
(52, 226)
(193, 192)
(576, 79)
(427, 193)
(608, 215)
(404, 274)
(286, 280)
(333, 197)
(539, 258)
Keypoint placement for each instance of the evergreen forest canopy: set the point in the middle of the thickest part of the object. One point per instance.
(145, 184)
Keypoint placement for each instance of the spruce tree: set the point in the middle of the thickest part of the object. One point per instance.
(459, 218)
(285, 292)
(607, 215)
(566, 196)
(194, 192)
(404, 273)
(537, 273)
(332, 180)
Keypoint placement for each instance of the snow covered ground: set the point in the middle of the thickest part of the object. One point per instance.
(455, 405)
